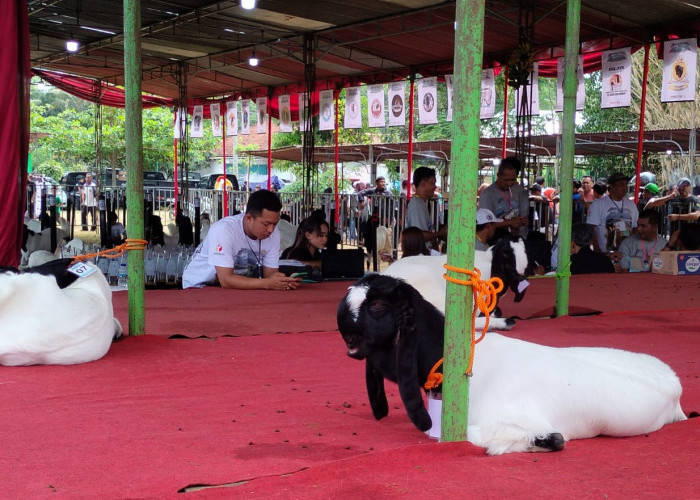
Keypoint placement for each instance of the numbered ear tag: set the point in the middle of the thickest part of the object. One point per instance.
(81, 269)
(435, 412)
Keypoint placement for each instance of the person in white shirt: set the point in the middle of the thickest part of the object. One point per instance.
(637, 251)
(88, 202)
(242, 251)
(614, 216)
(417, 213)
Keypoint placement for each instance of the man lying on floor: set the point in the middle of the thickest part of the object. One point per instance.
(242, 251)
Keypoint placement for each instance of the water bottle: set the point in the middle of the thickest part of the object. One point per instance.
(122, 277)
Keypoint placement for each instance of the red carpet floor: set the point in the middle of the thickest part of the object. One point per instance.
(286, 415)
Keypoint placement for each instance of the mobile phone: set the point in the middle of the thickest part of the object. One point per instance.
(298, 275)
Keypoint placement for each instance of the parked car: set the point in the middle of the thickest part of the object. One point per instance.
(209, 181)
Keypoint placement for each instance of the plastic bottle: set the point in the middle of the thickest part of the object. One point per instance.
(122, 276)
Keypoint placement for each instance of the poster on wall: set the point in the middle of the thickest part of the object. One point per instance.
(261, 105)
(448, 84)
(232, 118)
(427, 101)
(180, 125)
(488, 94)
(616, 78)
(285, 113)
(245, 117)
(397, 104)
(680, 59)
(533, 94)
(353, 114)
(580, 90)
(326, 110)
(215, 113)
(197, 129)
(375, 106)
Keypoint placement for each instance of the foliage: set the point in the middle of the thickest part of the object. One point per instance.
(51, 168)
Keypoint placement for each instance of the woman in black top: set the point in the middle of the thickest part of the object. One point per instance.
(312, 236)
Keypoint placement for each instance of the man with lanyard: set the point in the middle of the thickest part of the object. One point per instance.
(614, 216)
(507, 200)
(417, 213)
(637, 251)
(242, 251)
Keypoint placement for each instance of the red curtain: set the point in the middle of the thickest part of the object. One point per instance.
(14, 127)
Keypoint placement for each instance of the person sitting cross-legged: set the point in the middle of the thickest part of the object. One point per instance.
(583, 259)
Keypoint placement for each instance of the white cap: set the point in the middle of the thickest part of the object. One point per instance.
(484, 216)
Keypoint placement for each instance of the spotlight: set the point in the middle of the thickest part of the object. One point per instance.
(72, 46)
(248, 4)
(669, 152)
(253, 61)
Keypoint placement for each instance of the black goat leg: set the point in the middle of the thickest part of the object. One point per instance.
(375, 391)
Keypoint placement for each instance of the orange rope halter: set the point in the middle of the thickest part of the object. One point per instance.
(485, 299)
(112, 253)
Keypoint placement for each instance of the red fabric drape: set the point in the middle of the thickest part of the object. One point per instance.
(14, 127)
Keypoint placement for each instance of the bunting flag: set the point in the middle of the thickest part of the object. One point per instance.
(427, 101)
(261, 104)
(326, 116)
(180, 125)
(353, 115)
(304, 115)
(397, 104)
(448, 83)
(285, 113)
(215, 113)
(375, 106)
(616, 74)
(680, 59)
(488, 94)
(197, 129)
(245, 117)
(533, 93)
(580, 90)
(232, 118)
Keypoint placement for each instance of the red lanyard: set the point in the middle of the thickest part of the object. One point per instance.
(645, 254)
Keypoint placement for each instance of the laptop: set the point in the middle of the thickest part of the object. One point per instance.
(348, 264)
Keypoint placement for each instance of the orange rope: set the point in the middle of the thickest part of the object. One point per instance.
(112, 253)
(434, 379)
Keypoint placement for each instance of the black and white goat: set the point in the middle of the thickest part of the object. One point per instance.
(522, 396)
(48, 315)
(507, 260)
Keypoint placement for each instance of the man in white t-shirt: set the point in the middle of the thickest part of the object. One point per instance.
(417, 213)
(613, 217)
(88, 202)
(242, 251)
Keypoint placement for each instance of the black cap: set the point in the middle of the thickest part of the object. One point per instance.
(616, 177)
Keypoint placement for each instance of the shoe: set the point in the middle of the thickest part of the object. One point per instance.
(84, 228)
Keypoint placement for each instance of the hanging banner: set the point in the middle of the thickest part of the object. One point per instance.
(427, 100)
(397, 104)
(304, 115)
(197, 129)
(375, 106)
(326, 116)
(261, 104)
(353, 115)
(533, 94)
(616, 74)
(580, 91)
(245, 117)
(285, 113)
(215, 113)
(488, 94)
(448, 84)
(680, 59)
(232, 118)
(180, 125)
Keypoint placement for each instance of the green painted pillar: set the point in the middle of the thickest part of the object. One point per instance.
(134, 164)
(469, 43)
(568, 138)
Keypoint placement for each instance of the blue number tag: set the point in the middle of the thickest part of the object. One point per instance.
(81, 269)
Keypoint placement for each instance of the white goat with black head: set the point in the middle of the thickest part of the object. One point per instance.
(522, 396)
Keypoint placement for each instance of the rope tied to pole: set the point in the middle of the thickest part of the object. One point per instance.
(112, 253)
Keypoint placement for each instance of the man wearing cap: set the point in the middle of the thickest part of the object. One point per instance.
(685, 207)
(417, 213)
(614, 216)
(485, 228)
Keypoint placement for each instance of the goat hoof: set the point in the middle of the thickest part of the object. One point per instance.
(693, 414)
(510, 323)
(550, 442)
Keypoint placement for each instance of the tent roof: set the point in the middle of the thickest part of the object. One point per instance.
(362, 40)
(600, 143)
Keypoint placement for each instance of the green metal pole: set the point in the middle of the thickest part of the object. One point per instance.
(573, 18)
(134, 164)
(469, 42)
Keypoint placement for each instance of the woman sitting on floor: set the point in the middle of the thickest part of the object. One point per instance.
(312, 236)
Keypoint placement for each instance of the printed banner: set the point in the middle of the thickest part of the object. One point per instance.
(180, 125)
(397, 104)
(304, 115)
(353, 114)
(245, 117)
(580, 90)
(261, 104)
(326, 106)
(197, 129)
(215, 113)
(375, 106)
(427, 100)
(232, 118)
(448, 84)
(680, 59)
(285, 113)
(616, 74)
(533, 94)
(488, 94)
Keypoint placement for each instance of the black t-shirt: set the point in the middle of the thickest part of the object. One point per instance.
(586, 261)
(301, 254)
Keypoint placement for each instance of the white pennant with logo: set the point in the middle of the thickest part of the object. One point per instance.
(353, 113)
(285, 113)
(533, 94)
(488, 94)
(245, 117)
(616, 75)
(580, 90)
(427, 100)
(326, 110)
(232, 118)
(197, 129)
(261, 104)
(215, 113)
(375, 106)
(397, 104)
(680, 59)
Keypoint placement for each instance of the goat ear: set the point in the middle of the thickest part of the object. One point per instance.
(504, 266)
(375, 391)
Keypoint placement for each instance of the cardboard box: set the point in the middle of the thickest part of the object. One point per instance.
(676, 263)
